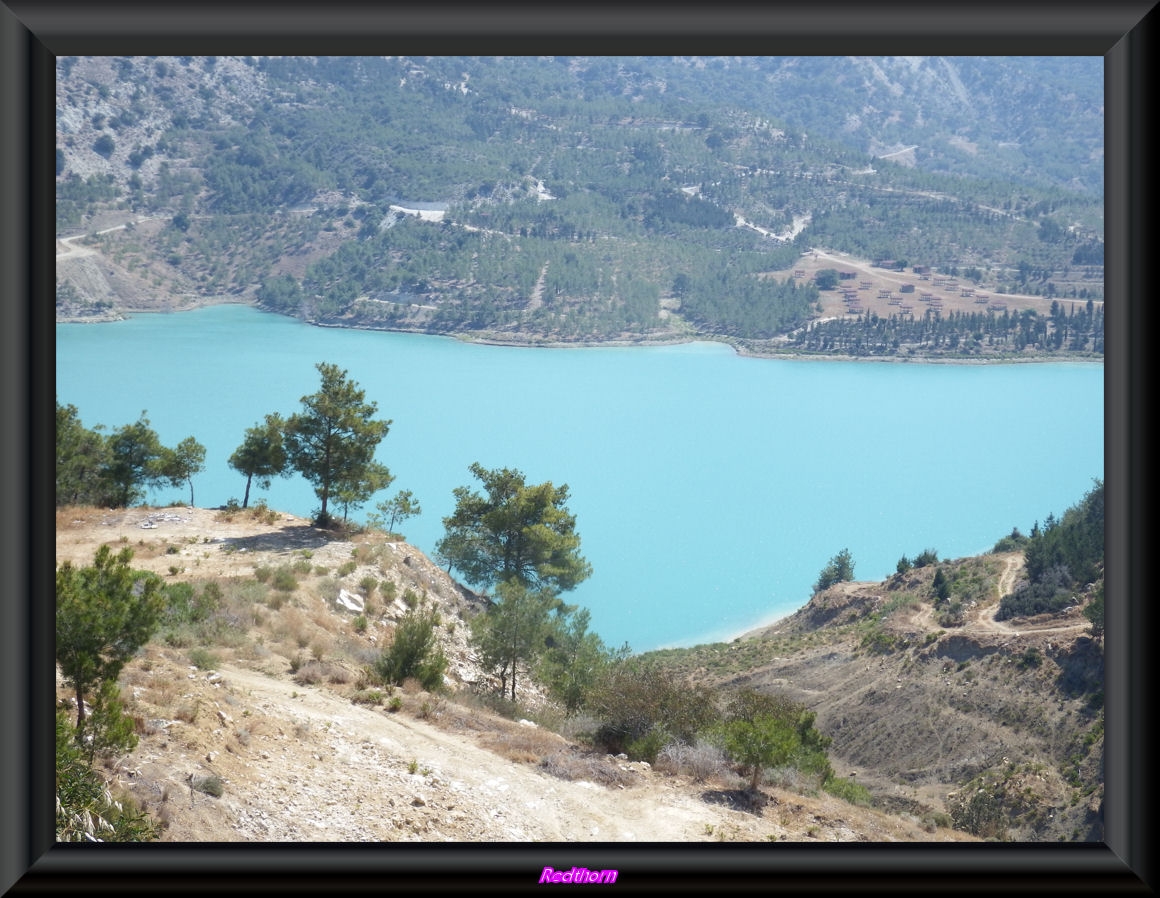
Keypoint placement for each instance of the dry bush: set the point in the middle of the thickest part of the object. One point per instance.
(524, 745)
(311, 673)
(292, 626)
(460, 716)
(162, 692)
(314, 672)
(411, 686)
(324, 620)
(321, 647)
(593, 767)
(699, 761)
(341, 675)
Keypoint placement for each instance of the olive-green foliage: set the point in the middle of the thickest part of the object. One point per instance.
(926, 557)
(261, 454)
(516, 532)
(1061, 558)
(414, 652)
(573, 659)
(183, 605)
(941, 586)
(210, 785)
(332, 442)
(203, 659)
(1094, 611)
(104, 613)
(879, 642)
(108, 730)
(1013, 542)
(284, 579)
(631, 698)
(978, 809)
(85, 809)
(82, 462)
(839, 568)
(849, 791)
(513, 631)
(113, 470)
(761, 730)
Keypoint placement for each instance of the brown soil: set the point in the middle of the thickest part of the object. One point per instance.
(833, 305)
(304, 761)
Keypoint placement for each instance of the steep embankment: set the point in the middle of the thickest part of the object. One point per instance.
(921, 700)
(265, 704)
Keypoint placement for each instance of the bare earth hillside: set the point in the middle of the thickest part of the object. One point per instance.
(929, 709)
(273, 711)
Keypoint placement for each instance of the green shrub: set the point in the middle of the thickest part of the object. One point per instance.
(879, 642)
(210, 785)
(926, 557)
(284, 580)
(346, 568)
(203, 659)
(953, 616)
(178, 602)
(648, 746)
(1031, 657)
(414, 652)
(848, 791)
(839, 569)
(85, 808)
(262, 573)
(360, 623)
(631, 698)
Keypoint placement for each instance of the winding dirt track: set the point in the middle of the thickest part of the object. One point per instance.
(983, 617)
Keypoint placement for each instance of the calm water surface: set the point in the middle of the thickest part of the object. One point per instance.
(709, 489)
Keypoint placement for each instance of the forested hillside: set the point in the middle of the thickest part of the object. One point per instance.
(577, 199)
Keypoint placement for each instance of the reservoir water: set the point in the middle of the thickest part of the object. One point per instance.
(709, 489)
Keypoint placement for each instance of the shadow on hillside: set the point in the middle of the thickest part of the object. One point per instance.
(738, 799)
(1081, 670)
(286, 539)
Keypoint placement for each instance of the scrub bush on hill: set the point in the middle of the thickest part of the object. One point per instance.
(640, 705)
(760, 731)
(839, 569)
(104, 613)
(85, 808)
(414, 652)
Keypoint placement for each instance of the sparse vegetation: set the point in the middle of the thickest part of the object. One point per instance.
(659, 708)
(413, 652)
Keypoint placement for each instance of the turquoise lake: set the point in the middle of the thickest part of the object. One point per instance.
(709, 489)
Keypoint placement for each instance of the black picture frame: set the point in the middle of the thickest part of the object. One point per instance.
(34, 32)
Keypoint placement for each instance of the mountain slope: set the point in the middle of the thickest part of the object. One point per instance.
(567, 199)
(924, 715)
(302, 751)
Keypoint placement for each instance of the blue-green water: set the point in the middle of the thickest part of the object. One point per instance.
(709, 489)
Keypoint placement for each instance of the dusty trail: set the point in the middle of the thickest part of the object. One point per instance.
(336, 771)
(983, 617)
